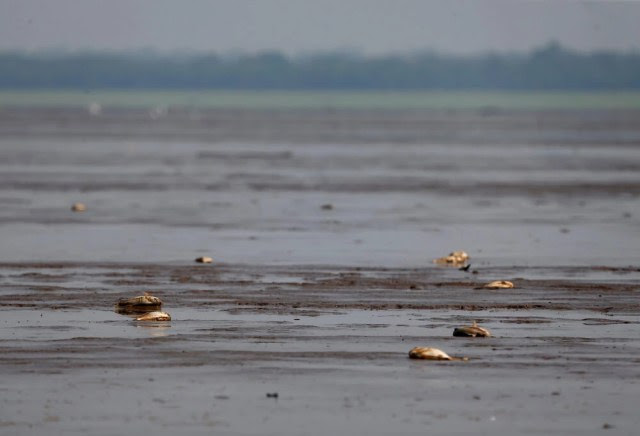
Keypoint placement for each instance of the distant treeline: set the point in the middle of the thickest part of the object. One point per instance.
(549, 67)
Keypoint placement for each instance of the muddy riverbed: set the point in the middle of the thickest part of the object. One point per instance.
(322, 227)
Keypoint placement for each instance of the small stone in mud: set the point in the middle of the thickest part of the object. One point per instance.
(607, 426)
(499, 284)
(429, 353)
(455, 258)
(272, 395)
(204, 259)
(78, 207)
(327, 206)
(154, 316)
(472, 331)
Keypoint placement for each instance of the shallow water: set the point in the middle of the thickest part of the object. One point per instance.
(319, 304)
(68, 324)
(259, 200)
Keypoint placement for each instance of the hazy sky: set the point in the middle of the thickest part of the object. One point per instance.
(295, 26)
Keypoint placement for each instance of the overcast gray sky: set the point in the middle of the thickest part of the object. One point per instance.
(296, 26)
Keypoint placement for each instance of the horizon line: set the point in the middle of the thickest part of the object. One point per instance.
(342, 51)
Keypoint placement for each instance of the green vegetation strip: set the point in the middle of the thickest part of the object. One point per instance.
(324, 99)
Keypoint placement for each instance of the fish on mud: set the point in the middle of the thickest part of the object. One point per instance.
(455, 258)
(429, 353)
(499, 284)
(204, 259)
(140, 304)
(78, 207)
(472, 331)
(154, 316)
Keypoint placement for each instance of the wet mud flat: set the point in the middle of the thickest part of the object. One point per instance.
(331, 341)
(368, 188)
(322, 226)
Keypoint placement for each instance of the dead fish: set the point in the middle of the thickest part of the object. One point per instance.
(142, 303)
(454, 258)
(204, 259)
(154, 316)
(473, 331)
(78, 207)
(499, 284)
(429, 353)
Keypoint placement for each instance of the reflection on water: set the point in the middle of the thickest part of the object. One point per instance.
(155, 329)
